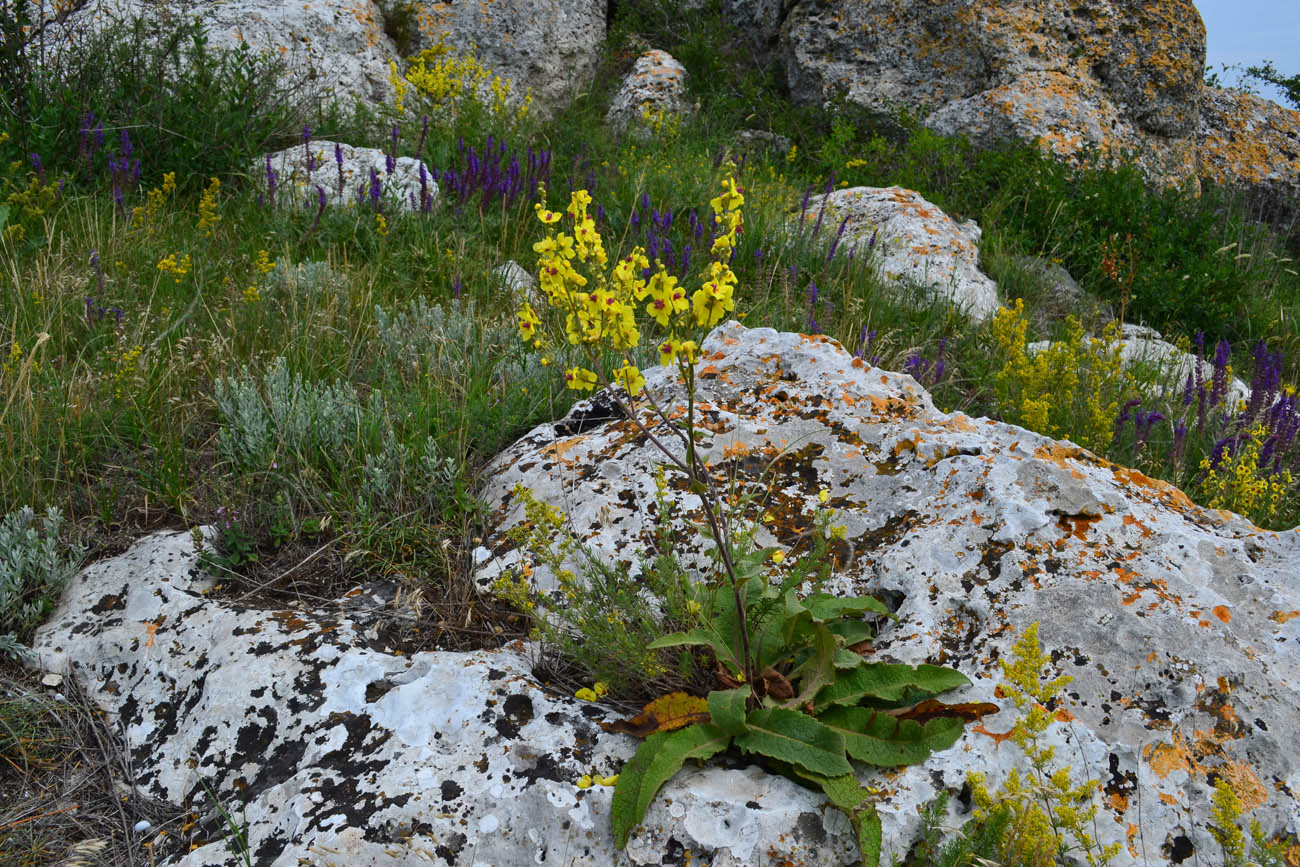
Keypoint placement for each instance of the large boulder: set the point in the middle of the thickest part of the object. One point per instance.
(917, 249)
(1180, 626)
(345, 176)
(332, 48)
(1114, 75)
(654, 90)
(319, 737)
(547, 48)
(1246, 141)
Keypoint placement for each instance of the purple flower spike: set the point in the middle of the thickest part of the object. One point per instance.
(39, 166)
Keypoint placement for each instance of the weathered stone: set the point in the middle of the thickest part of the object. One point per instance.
(334, 48)
(915, 245)
(1060, 296)
(655, 88)
(336, 749)
(1179, 625)
(1249, 142)
(346, 182)
(545, 48)
(1114, 75)
(1166, 364)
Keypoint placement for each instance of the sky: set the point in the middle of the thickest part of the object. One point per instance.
(1248, 32)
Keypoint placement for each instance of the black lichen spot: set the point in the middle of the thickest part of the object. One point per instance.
(810, 829)
(674, 854)
(495, 674)
(450, 850)
(451, 790)
(1178, 850)
(517, 713)
(377, 689)
(752, 805)
(590, 414)
(107, 603)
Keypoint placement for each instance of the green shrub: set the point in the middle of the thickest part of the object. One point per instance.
(34, 566)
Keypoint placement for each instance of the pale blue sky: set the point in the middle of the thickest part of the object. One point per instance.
(1250, 31)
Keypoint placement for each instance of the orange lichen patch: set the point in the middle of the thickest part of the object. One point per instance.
(1171, 800)
(1172, 495)
(1063, 715)
(1130, 521)
(1283, 616)
(151, 630)
(1222, 612)
(998, 737)
(736, 449)
(1132, 597)
(1118, 802)
(1077, 525)
(1245, 784)
(1126, 576)
(557, 450)
(1166, 758)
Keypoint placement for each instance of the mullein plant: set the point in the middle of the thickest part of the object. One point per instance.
(792, 689)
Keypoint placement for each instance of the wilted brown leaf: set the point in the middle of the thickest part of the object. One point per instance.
(666, 713)
(971, 711)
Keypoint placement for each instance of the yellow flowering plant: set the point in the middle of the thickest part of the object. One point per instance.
(790, 686)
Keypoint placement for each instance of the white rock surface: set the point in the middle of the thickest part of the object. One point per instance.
(656, 83)
(1180, 626)
(547, 48)
(338, 751)
(1140, 345)
(346, 184)
(332, 47)
(917, 245)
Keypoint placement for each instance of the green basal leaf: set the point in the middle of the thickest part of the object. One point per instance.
(825, 606)
(817, 668)
(889, 682)
(846, 660)
(711, 638)
(852, 631)
(728, 706)
(850, 796)
(796, 738)
(657, 760)
(879, 739)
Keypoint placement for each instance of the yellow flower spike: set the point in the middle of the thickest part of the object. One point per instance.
(584, 782)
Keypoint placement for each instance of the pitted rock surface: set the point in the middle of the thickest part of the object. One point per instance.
(915, 244)
(546, 48)
(303, 168)
(1180, 626)
(1067, 75)
(337, 751)
(333, 47)
(655, 84)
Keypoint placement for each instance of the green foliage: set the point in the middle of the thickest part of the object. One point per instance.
(34, 566)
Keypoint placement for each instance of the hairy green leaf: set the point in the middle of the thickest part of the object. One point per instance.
(727, 707)
(889, 682)
(659, 757)
(796, 738)
(854, 799)
(825, 606)
(708, 636)
(879, 739)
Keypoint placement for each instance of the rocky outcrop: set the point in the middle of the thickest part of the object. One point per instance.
(332, 48)
(335, 748)
(1246, 141)
(1113, 75)
(917, 249)
(1180, 626)
(653, 91)
(343, 175)
(546, 48)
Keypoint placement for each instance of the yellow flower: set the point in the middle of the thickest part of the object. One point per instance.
(546, 216)
(687, 350)
(611, 780)
(778, 556)
(667, 351)
(579, 379)
(823, 495)
(630, 378)
(600, 688)
(666, 298)
(528, 323)
(584, 782)
(586, 694)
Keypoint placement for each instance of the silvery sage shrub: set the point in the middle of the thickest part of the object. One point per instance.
(34, 566)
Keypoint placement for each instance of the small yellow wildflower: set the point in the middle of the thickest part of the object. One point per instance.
(584, 782)
(579, 379)
(823, 495)
(208, 216)
(381, 225)
(778, 556)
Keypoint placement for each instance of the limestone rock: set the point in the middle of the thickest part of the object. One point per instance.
(1109, 74)
(332, 48)
(655, 85)
(546, 48)
(915, 244)
(1140, 345)
(1180, 626)
(334, 748)
(1246, 141)
(345, 174)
